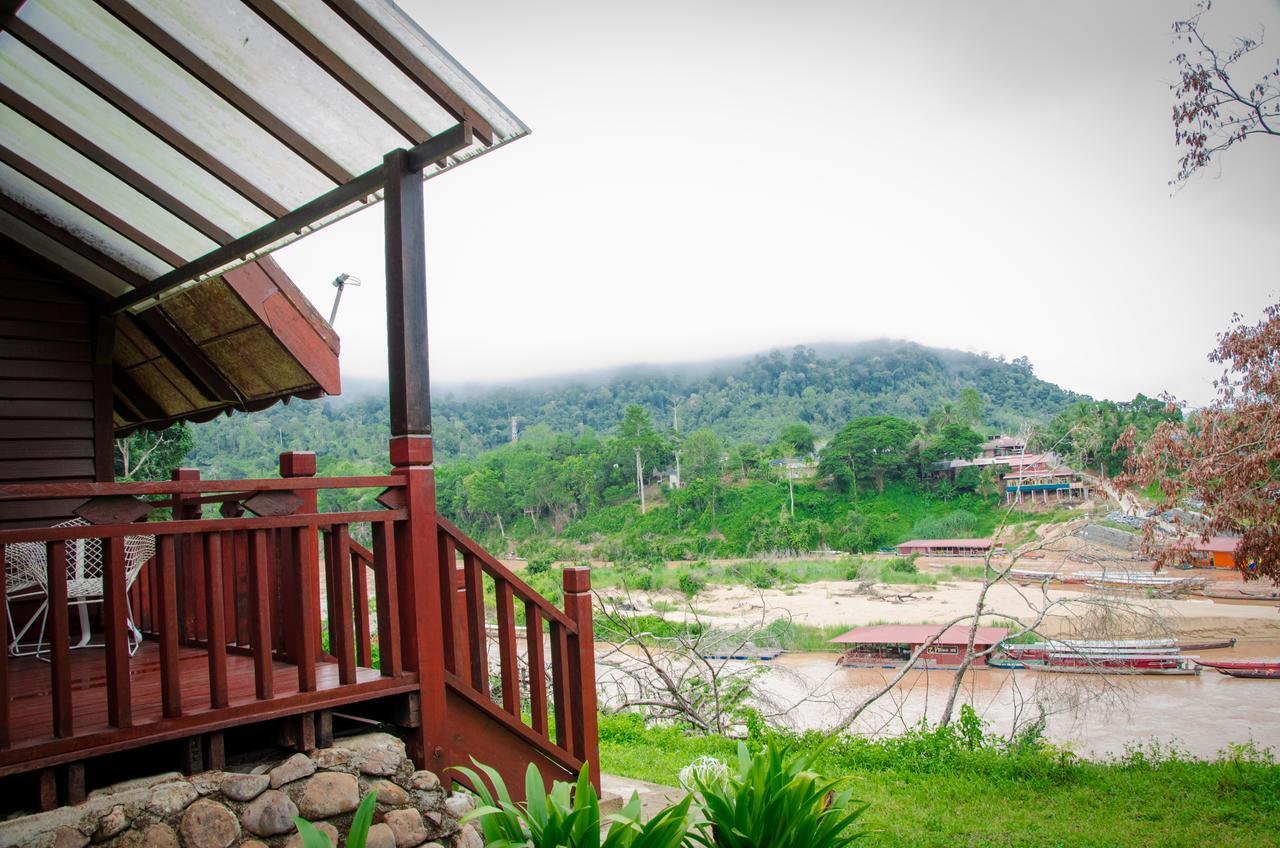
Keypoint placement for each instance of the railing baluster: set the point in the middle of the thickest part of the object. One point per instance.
(448, 574)
(154, 600)
(340, 619)
(360, 600)
(326, 554)
(390, 657)
(167, 591)
(284, 594)
(115, 626)
(582, 669)
(460, 637)
(59, 639)
(559, 685)
(477, 645)
(304, 565)
(227, 544)
(4, 657)
(537, 667)
(243, 624)
(260, 614)
(215, 616)
(508, 666)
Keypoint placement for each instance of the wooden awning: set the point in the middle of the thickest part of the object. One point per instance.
(239, 342)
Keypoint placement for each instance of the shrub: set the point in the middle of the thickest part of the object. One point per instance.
(774, 800)
(560, 820)
(539, 565)
(690, 584)
(904, 566)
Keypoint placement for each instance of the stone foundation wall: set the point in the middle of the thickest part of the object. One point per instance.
(255, 810)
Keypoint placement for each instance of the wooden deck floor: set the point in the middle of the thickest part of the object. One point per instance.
(31, 705)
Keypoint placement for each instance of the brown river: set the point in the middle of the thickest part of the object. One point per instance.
(1093, 715)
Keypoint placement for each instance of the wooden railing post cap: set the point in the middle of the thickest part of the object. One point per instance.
(410, 450)
(298, 464)
(184, 474)
(577, 578)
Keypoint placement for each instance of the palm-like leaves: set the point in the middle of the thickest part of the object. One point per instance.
(357, 834)
(565, 818)
(775, 800)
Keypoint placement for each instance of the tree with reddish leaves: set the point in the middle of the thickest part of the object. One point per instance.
(1226, 458)
(1211, 111)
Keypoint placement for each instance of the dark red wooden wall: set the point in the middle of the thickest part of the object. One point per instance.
(51, 420)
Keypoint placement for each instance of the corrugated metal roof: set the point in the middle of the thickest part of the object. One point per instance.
(144, 142)
(916, 634)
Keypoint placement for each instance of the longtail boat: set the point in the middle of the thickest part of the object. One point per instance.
(1094, 669)
(1086, 647)
(1135, 661)
(1242, 665)
(1255, 673)
(1210, 645)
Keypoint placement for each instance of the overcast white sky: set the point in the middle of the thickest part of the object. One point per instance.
(707, 179)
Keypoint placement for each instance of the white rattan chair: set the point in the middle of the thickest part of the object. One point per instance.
(20, 584)
(84, 581)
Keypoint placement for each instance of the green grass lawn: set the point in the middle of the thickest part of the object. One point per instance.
(932, 789)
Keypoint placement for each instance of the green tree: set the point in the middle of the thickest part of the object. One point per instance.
(797, 439)
(486, 496)
(953, 441)
(703, 467)
(876, 447)
(152, 454)
(703, 455)
(970, 407)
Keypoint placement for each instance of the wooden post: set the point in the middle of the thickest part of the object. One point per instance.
(305, 579)
(582, 669)
(190, 584)
(417, 554)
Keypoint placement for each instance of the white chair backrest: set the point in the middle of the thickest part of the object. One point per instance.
(26, 562)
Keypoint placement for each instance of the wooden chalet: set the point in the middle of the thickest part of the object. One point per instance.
(152, 153)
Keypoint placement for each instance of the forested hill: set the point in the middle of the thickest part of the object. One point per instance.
(747, 400)
(752, 399)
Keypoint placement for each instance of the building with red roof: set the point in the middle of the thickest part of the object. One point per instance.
(893, 644)
(946, 547)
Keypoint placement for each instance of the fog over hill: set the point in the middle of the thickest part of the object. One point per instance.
(741, 398)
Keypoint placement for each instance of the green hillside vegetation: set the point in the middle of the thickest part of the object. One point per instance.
(571, 493)
(749, 400)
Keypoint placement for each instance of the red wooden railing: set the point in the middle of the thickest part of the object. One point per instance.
(245, 590)
(565, 646)
(558, 653)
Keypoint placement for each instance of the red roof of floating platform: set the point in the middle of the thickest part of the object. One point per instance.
(916, 634)
(947, 543)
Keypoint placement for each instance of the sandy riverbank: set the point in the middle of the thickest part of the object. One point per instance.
(840, 603)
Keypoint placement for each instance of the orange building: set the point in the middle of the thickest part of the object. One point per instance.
(1219, 551)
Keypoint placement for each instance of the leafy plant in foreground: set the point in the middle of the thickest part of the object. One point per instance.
(356, 835)
(775, 800)
(567, 817)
